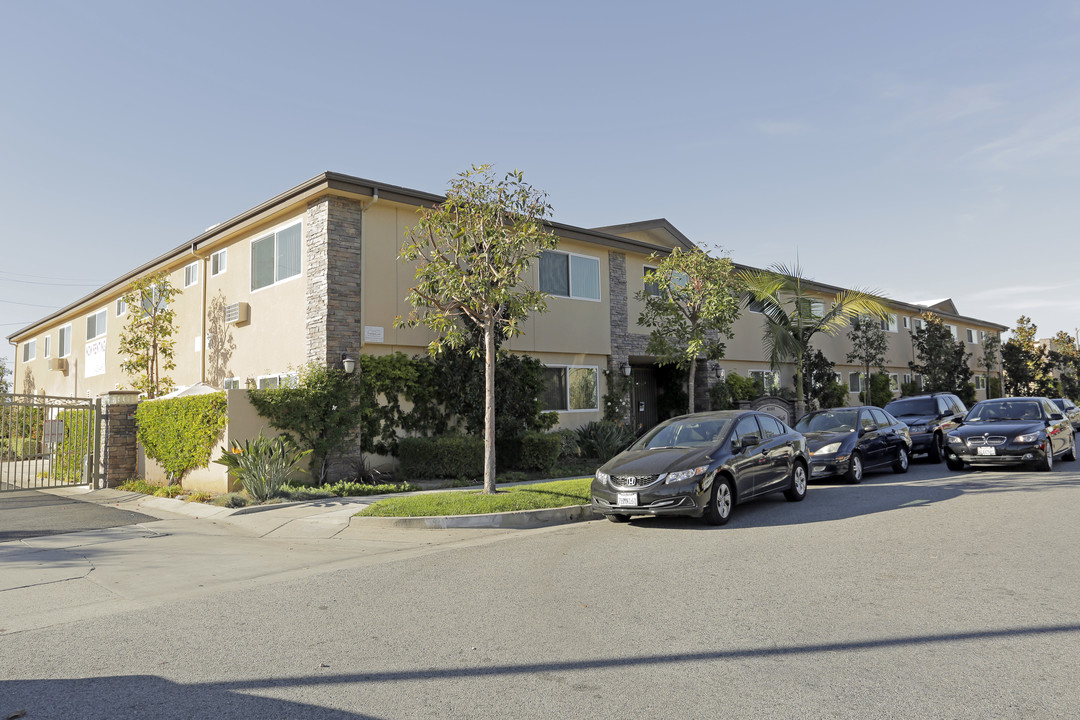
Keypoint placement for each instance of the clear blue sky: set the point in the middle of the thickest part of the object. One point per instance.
(922, 149)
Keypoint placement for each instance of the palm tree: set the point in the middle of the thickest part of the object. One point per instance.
(793, 316)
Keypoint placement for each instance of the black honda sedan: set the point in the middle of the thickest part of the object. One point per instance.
(1011, 431)
(848, 440)
(702, 465)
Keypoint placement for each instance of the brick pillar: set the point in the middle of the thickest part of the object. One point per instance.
(118, 444)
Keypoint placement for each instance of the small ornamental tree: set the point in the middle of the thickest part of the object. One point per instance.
(942, 360)
(868, 348)
(694, 300)
(5, 388)
(1027, 365)
(820, 386)
(1065, 356)
(146, 342)
(991, 361)
(472, 252)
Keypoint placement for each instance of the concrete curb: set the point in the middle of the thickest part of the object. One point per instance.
(518, 520)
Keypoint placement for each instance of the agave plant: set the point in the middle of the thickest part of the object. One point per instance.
(262, 465)
(603, 439)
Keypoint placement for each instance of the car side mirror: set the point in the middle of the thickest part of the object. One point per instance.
(1056, 416)
(748, 441)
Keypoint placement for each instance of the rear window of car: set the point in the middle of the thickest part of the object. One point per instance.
(770, 426)
(912, 406)
(880, 418)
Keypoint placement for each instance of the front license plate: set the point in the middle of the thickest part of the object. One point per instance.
(627, 500)
(983, 450)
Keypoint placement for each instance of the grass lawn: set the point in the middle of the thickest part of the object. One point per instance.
(474, 502)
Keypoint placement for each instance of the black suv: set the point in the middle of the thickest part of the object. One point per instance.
(929, 418)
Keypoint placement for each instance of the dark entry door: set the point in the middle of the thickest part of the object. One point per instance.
(643, 399)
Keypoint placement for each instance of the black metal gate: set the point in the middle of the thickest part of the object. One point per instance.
(48, 442)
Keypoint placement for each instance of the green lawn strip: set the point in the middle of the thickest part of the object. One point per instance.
(560, 493)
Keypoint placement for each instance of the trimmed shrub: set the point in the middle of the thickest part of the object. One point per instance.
(603, 440)
(441, 457)
(540, 451)
(180, 433)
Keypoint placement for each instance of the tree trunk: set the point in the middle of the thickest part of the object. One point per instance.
(799, 399)
(489, 406)
(690, 384)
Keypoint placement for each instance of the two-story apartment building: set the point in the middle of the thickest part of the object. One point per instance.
(313, 274)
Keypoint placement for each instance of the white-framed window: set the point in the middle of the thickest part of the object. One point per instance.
(191, 274)
(952, 331)
(888, 324)
(894, 382)
(29, 350)
(275, 257)
(817, 308)
(570, 275)
(121, 307)
(280, 380)
(907, 322)
(231, 383)
(652, 289)
(855, 382)
(95, 324)
(47, 345)
(839, 377)
(980, 382)
(770, 380)
(907, 378)
(919, 323)
(571, 388)
(970, 335)
(63, 342)
(219, 262)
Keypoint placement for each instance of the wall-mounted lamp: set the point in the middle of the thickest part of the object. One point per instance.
(348, 363)
(626, 369)
(718, 372)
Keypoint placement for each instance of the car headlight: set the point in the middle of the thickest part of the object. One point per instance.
(1029, 438)
(602, 477)
(917, 428)
(953, 440)
(827, 449)
(682, 475)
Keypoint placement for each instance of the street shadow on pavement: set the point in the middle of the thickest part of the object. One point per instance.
(147, 696)
(30, 513)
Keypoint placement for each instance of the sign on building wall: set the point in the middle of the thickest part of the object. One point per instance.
(373, 334)
(95, 358)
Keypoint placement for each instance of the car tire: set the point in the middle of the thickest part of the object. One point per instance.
(854, 472)
(618, 517)
(954, 462)
(1046, 463)
(797, 491)
(721, 502)
(937, 449)
(1070, 455)
(903, 459)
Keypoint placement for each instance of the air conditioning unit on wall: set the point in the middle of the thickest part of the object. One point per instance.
(237, 313)
(58, 364)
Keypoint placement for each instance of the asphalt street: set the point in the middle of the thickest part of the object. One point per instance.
(31, 513)
(926, 595)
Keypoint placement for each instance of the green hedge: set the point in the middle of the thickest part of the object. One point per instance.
(73, 450)
(441, 457)
(181, 433)
(18, 448)
(540, 451)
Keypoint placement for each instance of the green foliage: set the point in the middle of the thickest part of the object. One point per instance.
(146, 488)
(740, 388)
(441, 457)
(617, 397)
(146, 342)
(1065, 356)
(1028, 367)
(568, 443)
(180, 433)
(968, 395)
(18, 448)
(942, 361)
(993, 386)
(695, 303)
(880, 390)
(472, 253)
(720, 397)
(321, 414)
(262, 465)
(560, 493)
(868, 347)
(71, 457)
(23, 421)
(344, 489)
(5, 386)
(539, 451)
(603, 440)
(794, 314)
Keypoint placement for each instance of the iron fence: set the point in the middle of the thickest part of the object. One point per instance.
(48, 442)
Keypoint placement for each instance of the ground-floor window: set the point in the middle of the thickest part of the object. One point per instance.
(571, 388)
(281, 380)
(770, 380)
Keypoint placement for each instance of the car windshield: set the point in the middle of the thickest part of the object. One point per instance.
(689, 432)
(1010, 410)
(829, 421)
(1061, 403)
(912, 406)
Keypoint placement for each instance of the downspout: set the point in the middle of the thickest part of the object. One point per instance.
(202, 315)
(363, 261)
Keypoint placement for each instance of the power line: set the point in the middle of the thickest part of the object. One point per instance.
(55, 284)
(41, 277)
(12, 302)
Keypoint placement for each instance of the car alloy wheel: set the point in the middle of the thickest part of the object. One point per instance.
(902, 461)
(855, 470)
(797, 491)
(721, 502)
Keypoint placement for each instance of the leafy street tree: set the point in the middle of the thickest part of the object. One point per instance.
(1065, 355)
(820, 386)
(146, 342)
(794, 314)
(693, 302)
(942, 360)
(1027, 365)
(471, 253)
(991, 358)
(5, 387)
(868, 348)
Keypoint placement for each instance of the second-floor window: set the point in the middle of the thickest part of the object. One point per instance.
(570, 275)
(47, 340)
(275, 257)
(63, 342)
(219, 262)
(29, 350)
(121, 307)
(191, 274)
(95, 325)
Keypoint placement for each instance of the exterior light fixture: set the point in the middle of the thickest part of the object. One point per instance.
(626, 369)
(348, 363)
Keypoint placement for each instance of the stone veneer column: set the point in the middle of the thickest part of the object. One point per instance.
(332, 245)
(119, 456)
